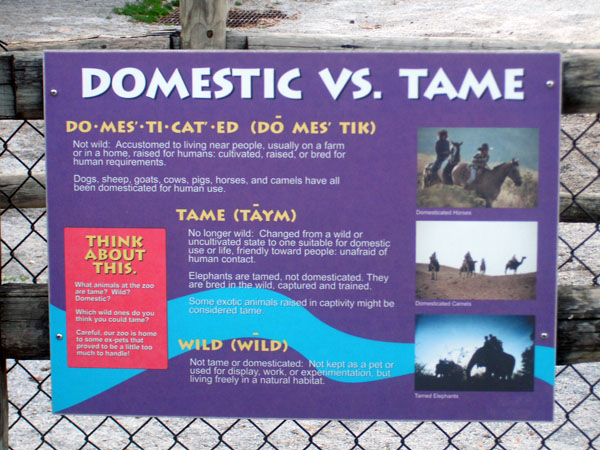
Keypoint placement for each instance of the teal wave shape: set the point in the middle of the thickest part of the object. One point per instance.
(544, 364)
(72, 385)
(306, 334)
(302, 331)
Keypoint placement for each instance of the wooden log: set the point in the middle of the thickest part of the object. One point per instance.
(203, 23)
(309, 42)
(22, 191)
(236, 41)
(21, 96)
(578, 338)
(582, 208)
(7, 90)
(155, 41)
(24, 323)
(29, 81)
(581, 76)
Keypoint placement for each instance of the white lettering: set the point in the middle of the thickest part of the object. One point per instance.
(358, 78)
(470, 83)
(511, 84)
(246, 76)
(225, 85)
(440, 85)
(139, 82)
(413, 76)
(166, 87)
(87, 82)
(283, 86)
(335, 88)
(199, 83)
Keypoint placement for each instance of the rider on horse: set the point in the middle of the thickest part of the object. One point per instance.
(479, 163)
(442, 150)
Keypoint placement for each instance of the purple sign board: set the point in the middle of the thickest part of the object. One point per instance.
(301, 235)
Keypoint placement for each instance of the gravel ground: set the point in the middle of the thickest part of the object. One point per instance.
(541, 20)
(547, 20)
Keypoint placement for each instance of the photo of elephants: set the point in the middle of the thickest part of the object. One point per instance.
(474, 353)
(476, 260)
(477, 167)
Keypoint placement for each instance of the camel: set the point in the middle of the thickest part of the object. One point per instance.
(488, 184)
(482, 267)
(434, 266)
(513, 264)
(431, 179)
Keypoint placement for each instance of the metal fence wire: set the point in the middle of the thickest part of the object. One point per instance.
(32, 426)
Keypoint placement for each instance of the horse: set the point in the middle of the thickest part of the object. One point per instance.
(488, 184)
(431, 178)
(434, 266)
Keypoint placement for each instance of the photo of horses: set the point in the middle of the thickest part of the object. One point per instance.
(474, 353)
(476, 260)
(477, 167)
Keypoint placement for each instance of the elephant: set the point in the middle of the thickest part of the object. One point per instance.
(449, 369)
(497, 363)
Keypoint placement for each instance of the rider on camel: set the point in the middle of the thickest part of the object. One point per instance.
(468, 257)
(479, 163)
(442, 150)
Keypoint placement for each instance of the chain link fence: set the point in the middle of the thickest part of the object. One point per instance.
(32, 426)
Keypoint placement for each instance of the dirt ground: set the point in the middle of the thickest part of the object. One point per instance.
(538, 20)
(451, 286)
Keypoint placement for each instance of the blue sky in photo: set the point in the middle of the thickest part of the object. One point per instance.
(456, 337)
(506, 143)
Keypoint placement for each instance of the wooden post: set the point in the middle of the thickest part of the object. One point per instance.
(3, 385)
(3, 404)
(203, 23)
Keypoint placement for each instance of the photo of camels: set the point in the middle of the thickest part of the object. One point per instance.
(468, 266)
(514, 264)
(477, 167)
(474, 353)
(434, 266)
(505, 252)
